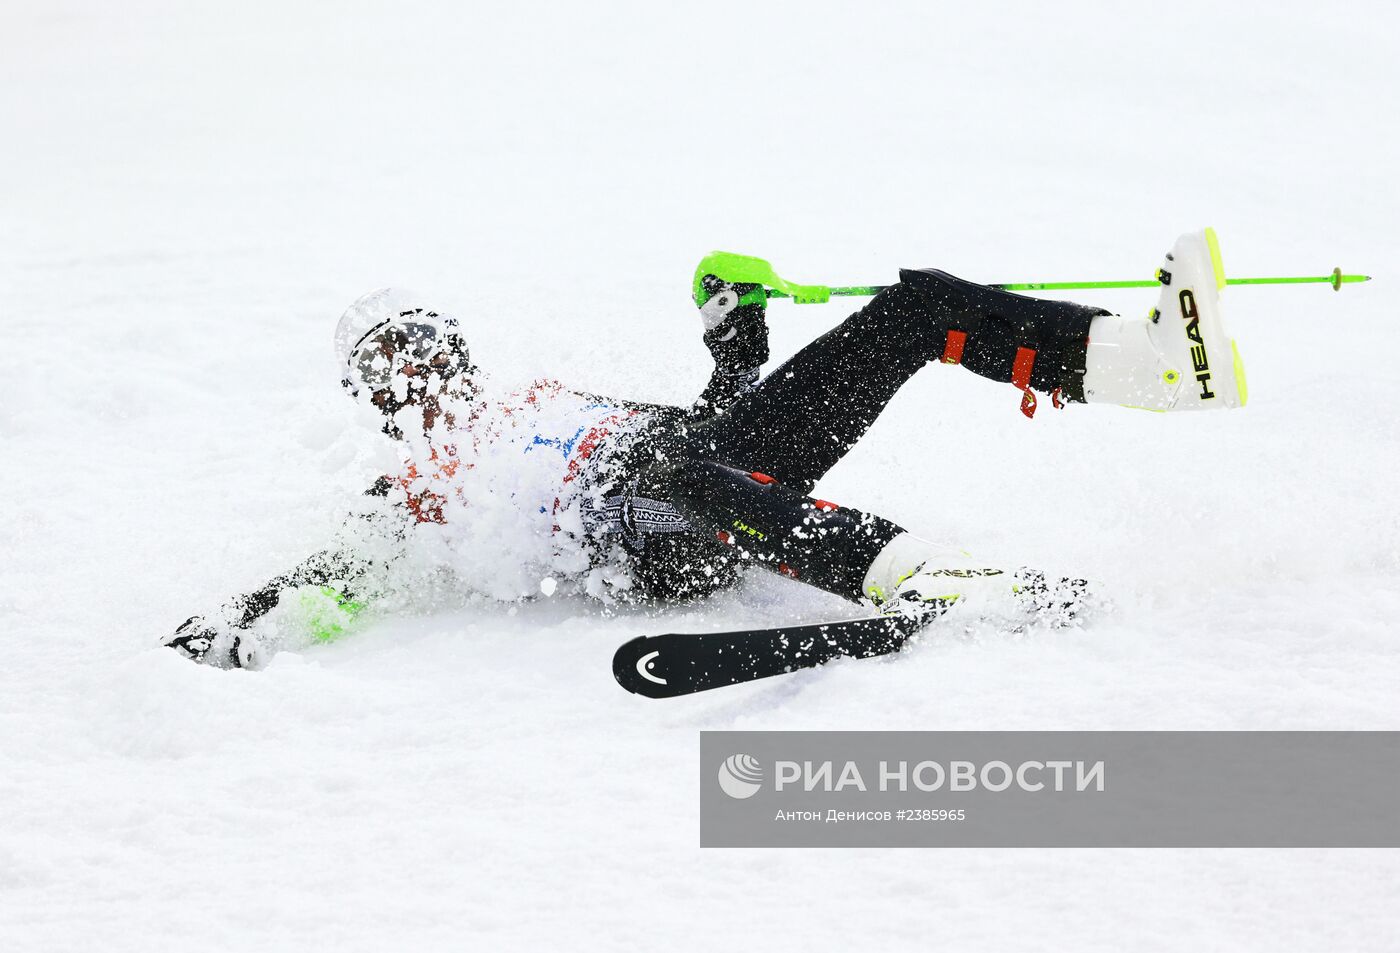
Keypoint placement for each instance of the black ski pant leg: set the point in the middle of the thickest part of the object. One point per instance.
(741, 478)
(756, 517)
(805, 415)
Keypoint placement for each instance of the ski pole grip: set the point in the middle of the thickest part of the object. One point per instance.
(747, 269)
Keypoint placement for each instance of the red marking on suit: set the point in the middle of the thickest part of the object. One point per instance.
(425, 505)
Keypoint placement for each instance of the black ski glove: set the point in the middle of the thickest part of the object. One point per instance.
(197, 637)
(736, 331)
(193, 638)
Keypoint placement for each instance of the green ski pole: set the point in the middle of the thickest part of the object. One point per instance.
(748, 269)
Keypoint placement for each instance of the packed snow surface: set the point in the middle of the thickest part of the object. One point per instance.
(193, 192)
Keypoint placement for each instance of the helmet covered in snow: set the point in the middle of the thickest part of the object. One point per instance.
(389, 328)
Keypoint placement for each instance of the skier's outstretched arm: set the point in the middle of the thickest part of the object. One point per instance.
(198, 635)
(345, 565)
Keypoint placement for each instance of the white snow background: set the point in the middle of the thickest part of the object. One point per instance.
(192, 192)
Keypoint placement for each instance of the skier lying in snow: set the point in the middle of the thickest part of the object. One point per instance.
(672, 502)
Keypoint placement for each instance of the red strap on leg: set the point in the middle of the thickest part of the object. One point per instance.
(953, 350)
(1021, 378)
(1021, 367)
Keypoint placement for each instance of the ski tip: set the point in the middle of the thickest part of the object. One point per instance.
(636, 668)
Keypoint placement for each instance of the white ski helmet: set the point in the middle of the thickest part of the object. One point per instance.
(397, 321)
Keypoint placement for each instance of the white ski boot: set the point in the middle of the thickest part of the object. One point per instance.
(920, 581)
(1180, 357)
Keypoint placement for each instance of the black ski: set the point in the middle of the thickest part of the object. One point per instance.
(677, 663)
